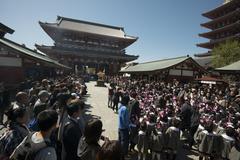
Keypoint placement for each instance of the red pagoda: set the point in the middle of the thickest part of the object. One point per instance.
(224, 24)
(87, 46)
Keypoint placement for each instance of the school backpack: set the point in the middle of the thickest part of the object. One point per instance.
(29, 149)
(3, 139)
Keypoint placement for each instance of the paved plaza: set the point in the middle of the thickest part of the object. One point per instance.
(96, 101)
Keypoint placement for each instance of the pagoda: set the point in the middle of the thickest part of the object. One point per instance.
(224, 24)
(88, 46)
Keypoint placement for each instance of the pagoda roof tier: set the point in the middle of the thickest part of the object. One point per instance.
(55, 51)
(232, 15)
(224, 8)
(212, 43)
(231, 27)
(80, 30)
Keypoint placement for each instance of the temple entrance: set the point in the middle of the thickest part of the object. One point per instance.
(92, 68)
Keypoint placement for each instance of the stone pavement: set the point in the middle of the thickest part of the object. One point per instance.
(96, 101)
(97, 107)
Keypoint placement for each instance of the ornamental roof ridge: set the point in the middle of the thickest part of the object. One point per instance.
(166, 59)
(6, 28)
(60, 18)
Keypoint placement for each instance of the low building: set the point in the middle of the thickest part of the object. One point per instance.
(181, 68)
(230, 72)
(17, 62)
(204, 61)
(233, 68)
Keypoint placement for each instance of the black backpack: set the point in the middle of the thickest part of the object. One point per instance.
(31, 148)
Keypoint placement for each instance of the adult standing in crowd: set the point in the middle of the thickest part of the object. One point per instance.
(17, 130)
(88, 146)
(116, 99)
(111, 150)
(37, 145)
(124, 122)
(110, 95)
(186, 113)
(134, 109)
(43, 98)
(4, 101)
(21, 100)
(71, 131)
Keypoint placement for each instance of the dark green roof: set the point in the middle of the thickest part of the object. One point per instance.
(232, 67)
(6, 29)
(31, 53)
(157, 65)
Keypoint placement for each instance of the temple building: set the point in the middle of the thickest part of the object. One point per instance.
(224, 24)
(183, 69)
(87, 46)
(18, 63)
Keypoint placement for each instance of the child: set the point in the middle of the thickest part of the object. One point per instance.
(228, 141)
(173, 139)
(157, 145)
(133, 133)
(142, 141)
(151, 129)
(209, 142)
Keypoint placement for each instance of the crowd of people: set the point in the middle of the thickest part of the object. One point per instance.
(46, 121)
(156, 120)
(161, 118)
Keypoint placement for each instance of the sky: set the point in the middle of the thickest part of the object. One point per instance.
(166, 28)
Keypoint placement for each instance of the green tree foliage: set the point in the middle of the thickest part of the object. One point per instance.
(226, 53)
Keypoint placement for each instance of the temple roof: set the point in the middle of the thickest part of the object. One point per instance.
(158, 65)
(31, 53)
(203, 54)
(214, 12)
(53, 50)
(5, 29)
(232, 67)
(204, 61)
(86, 27)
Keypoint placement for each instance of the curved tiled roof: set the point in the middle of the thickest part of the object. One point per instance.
(30, 53)
(158, 65)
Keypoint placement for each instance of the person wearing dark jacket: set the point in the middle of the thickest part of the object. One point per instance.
(186, 114)
(72, 131)
(4, 102)
(116, 98)
(194, 124)
(134, 109)
(17, 129)
(88, 146)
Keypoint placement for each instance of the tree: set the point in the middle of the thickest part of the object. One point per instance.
(226, 53)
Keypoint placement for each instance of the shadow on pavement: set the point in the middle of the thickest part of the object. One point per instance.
(87, 111)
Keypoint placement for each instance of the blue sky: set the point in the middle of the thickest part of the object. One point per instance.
(166, 28)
